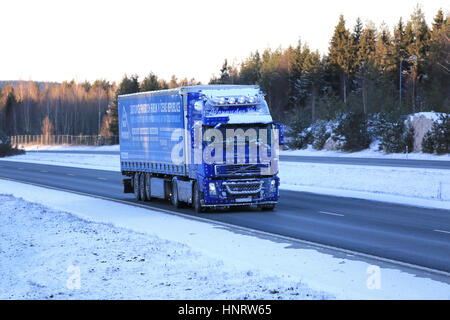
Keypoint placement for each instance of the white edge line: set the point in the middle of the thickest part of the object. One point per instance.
(442, 231)
(331, 213)
(249, 230)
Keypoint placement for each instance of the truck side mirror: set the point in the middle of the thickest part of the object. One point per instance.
(280, 128)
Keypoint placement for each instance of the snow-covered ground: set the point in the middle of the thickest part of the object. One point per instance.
(71, 148)
(368, 153)
(372, 152)
(43, 251)
(59, 245)
(413, 186)
(80, 160)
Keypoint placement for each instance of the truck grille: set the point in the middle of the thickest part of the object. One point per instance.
(238, 169)
(243, 187)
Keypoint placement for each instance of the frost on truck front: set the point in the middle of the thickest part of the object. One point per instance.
(205, 146)
(240, 149)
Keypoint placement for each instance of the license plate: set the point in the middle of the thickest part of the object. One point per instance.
(248, 199)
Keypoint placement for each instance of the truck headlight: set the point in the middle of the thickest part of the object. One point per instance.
(212, 188)
(273, 184)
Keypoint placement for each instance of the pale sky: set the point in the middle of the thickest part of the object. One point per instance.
(86, 40)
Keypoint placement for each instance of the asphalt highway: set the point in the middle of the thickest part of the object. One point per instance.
(399, 232)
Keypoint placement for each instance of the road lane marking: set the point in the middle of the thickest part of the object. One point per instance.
(44, 171)
(71, 174)
(331, 213)
(442, 231)
(20, 168)
(101, 179)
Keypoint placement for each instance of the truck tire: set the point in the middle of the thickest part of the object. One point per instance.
(196, 200)
(142, 187)
(148, 190)
(175, 199)
(136, 185)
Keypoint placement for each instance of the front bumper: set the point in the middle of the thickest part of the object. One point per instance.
(241, 192)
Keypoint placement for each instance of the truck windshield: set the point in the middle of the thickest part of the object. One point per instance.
(244, 138)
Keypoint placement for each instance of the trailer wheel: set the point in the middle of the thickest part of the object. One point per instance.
(148, 192)
(196, 200)
(175, 199)
(142, 187)
(136, 185)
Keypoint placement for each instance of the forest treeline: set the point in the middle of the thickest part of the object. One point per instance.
(360, 73)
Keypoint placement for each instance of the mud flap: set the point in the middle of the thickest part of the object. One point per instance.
(127, 185)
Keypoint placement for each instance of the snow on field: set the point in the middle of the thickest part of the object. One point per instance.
(79, 160)
(372, 152)
(368, 153)
(413, 186)
(71, 148)
(58, 245)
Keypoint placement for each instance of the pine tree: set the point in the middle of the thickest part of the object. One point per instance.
(437, 84)
(173, 82)
(126, 86)
(399, 41)
(295, 98)
(356, 41)
(366, 61)
(10, 105)
(312, 79)
(352, 132)
(150, 83)
(340, 55)
(418, 36)
(357, 30)
(250, 72)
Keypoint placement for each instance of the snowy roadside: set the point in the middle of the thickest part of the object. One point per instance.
(71, 148)
(368, 153)
(413, 186)
(68, 246)
(310, 152)
(51, 254)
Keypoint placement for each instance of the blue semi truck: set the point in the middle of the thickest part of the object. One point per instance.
(204, 146)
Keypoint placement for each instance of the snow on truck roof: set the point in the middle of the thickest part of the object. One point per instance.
(214, 90)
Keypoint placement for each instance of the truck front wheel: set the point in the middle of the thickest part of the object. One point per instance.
(175, 200)
(196, 200)
(142, 187)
